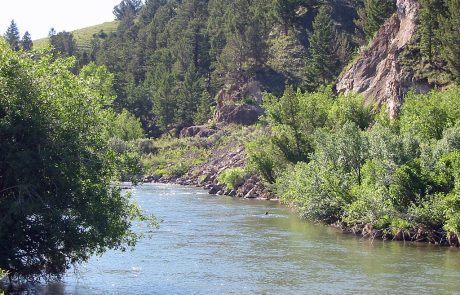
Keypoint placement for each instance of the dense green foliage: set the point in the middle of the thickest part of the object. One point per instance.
(439, 37)
(170, 58)
(231, 177)
(372, 15)
(359, 167)
(58, 202)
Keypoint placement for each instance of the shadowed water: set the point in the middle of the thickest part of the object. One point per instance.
(220, 245)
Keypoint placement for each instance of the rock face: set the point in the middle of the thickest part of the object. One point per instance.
(199, 131)
(232, 106)
(378, 74)
(205, 175)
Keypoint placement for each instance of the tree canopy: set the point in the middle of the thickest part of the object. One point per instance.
(58, 202)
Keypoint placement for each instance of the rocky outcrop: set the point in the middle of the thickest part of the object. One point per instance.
(239, 114)
(206, 174)
(239, 104)
(377, 73)
(198, 131)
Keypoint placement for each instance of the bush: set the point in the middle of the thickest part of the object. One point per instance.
(126, 127)
(261, 158)
(147, 146)
(319, 192)
(232, 177)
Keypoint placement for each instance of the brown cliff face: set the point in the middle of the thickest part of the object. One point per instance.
(377, 73)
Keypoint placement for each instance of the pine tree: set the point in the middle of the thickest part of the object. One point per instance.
(373, 14)
(284, 12)
(322, 62)
(26, 42)
(63, 43)
(430, 11)
(12, 36)
(204, 110)
(127, 9)
(451, 37)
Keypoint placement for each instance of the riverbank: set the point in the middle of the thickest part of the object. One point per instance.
(206, 175)
(224, 151)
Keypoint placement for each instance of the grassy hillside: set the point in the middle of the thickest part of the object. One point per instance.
(83, 36)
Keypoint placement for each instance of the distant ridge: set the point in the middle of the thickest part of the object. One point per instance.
(83, 36)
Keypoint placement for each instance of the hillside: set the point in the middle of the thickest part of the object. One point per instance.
(83, 36)
(359, 150)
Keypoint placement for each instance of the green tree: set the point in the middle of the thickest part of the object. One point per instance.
(126, 127)
(57, 198)
(26, 42)
(429, 15)
(63, 43)
(322, 62)
(373, 14)
(127, 9)
(294, 118)
(451, 37)
(284, 11)
(12, 35)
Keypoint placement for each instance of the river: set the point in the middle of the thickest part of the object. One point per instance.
(221, 245)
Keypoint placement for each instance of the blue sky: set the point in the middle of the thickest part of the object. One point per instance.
(38, 16)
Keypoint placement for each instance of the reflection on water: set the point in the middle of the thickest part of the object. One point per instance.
(220, 245)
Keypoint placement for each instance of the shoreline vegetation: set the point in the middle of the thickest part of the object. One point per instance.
(342, 163)
(163, 95)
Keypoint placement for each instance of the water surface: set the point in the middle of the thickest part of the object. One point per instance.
(221, 245)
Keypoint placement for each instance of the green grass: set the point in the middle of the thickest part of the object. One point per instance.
(83, 36)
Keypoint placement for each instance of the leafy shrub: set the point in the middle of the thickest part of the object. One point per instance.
(261, 158)
(232, 177)
(126, 127)
(319, 192)
(147, 146)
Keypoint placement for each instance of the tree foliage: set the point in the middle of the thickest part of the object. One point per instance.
(127, 9)
(57, 199)
(26, 42)
(356, 168)
(323, 63)
(12, 36)
(451, 37)
(373, 14)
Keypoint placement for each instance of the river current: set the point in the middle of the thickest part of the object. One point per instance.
(221, 245)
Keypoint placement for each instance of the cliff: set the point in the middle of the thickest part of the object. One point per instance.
(377, 73)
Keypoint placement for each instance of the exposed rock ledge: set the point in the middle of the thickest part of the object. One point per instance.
(377, 73)
(205, 175)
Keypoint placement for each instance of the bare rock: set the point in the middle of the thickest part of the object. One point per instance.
(240, 114)
(197, 131)
(377, 73)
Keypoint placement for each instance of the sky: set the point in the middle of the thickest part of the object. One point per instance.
(39, 16)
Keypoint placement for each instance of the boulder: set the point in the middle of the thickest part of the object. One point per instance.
(239, 114)
(196, 131)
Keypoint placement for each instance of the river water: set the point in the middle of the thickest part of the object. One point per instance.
(221, 245)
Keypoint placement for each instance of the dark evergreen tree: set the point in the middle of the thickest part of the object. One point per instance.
(284, 12)
(204, 109)
(373, 14)
(429, 15)
(63, 43)
(127, 9)
(451, 37)
(12, 36)
(323, 62)
(26, 42)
